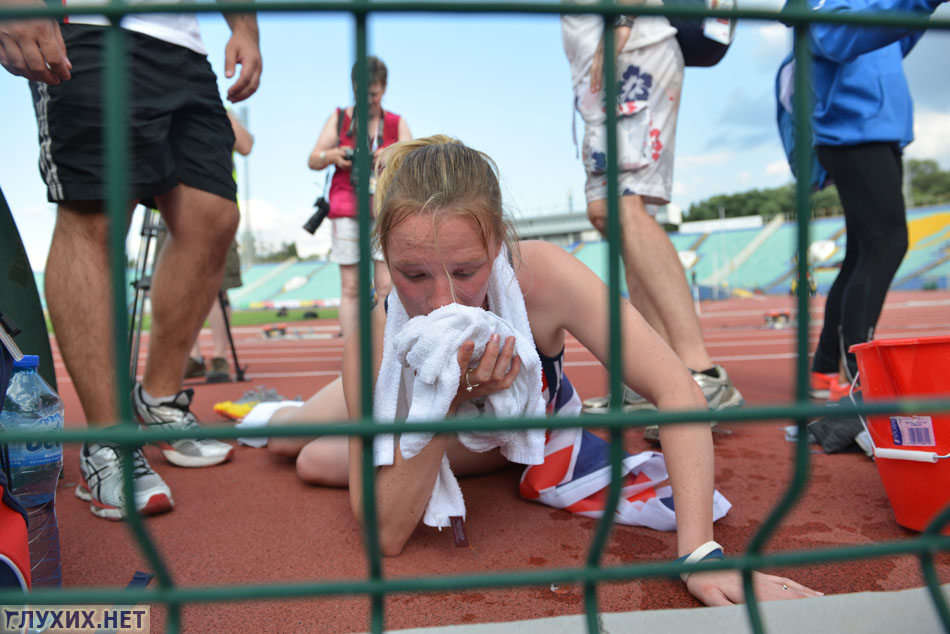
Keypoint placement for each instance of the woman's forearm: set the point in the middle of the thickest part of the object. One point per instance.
(688, 450)
(403, 490)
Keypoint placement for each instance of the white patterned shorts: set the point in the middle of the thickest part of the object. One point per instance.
(651, 80)
(345, 242)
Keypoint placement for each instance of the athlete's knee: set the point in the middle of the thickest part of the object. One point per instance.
(889, 248)
(82, 220)
(284, 447)
(319, 463)
(349, 288)
(383, 287)
(597, 214)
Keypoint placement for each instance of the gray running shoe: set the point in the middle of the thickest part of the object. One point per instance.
(632, 402)
(719, 391)
(720, 394)
(175, 414)
(100, 483)
(220, 371)
(195, 368)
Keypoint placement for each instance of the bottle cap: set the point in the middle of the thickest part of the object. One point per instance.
(28, 361)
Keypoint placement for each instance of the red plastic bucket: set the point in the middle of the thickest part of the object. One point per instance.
(907, 447)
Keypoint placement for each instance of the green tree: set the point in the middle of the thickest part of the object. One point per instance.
(285, 251)
(929, 186)
(767, 203)
(928, 183)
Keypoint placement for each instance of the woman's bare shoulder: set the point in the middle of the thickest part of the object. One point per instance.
(535, 253)
(537, 264)
(538, 258)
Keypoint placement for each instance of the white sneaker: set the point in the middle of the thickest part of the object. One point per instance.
(720, 394)
(632, 402)
(100, 483)
(719, 391)
(175, 414)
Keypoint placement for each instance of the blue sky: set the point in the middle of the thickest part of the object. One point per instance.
(502, 85)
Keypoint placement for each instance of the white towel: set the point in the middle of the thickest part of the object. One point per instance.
(259, 416)
(419, 376)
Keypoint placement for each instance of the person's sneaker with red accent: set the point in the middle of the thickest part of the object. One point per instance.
(821, 383)
(100, 483)
(841, 391)
(175, 414)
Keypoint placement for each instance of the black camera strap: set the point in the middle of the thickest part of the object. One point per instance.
(377, 141)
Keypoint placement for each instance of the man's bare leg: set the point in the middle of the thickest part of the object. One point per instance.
(649, 254)
(79, 296)
(78, 286)
(187, 276)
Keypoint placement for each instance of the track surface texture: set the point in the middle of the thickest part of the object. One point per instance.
(251, 521)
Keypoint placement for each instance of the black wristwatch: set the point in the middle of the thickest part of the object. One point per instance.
(623, 20)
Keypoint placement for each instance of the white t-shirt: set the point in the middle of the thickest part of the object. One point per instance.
(581, 32)
(174, 28)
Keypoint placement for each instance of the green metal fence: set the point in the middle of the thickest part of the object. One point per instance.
(376, 586)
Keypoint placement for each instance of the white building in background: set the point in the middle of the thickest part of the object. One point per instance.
(561, 229)
(567, 228)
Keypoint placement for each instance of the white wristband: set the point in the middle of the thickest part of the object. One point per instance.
(706, 551)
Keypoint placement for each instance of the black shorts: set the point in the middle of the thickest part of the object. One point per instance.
(178, 129)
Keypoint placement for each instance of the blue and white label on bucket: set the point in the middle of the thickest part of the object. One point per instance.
(913, 431)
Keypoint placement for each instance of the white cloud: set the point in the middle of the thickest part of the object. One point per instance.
(273, 226)
(744, 176)
(317, 244)
(774, 34)
(778, 168)
(35, 225)
(761, 4)
(931, 137)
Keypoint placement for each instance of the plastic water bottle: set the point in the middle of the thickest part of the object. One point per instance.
(31, 404)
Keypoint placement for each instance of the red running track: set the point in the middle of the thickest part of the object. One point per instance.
(251, 521)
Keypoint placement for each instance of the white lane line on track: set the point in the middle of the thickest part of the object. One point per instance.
(718, 359)
(276, 375)
(710, 312)
(250, 376)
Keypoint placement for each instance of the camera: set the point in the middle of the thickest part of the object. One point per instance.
(354, 174)
(323, 209)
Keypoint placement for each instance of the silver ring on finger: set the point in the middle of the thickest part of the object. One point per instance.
(468, 385)
(784, 587)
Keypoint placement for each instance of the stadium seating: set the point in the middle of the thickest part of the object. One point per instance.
(768, 269)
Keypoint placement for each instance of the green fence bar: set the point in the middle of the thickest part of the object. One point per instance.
(362, 162)
(605, 523)
(376, 586)
(115, 89)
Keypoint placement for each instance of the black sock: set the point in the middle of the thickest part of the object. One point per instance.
(713, 372)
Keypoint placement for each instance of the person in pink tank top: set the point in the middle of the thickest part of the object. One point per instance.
(335, 146)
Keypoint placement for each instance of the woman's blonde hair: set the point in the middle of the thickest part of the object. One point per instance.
(440, 175)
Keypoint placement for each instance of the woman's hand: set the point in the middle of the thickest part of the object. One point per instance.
(724, 587)
(338, 157)
(496, 370)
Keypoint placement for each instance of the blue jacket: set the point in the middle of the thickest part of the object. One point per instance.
(860, 91)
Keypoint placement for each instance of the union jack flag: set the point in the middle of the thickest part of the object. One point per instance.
(575, 475)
